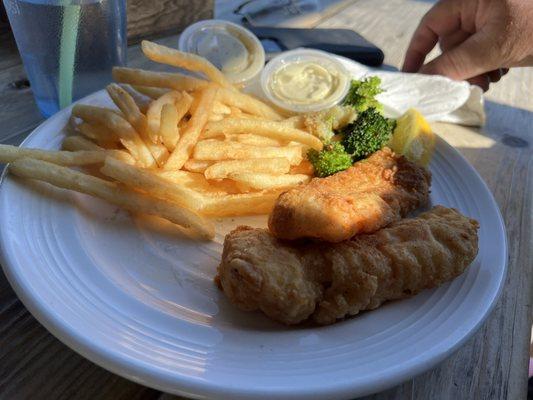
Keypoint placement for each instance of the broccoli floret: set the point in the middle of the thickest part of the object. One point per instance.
(367, 134)
(332, 158)
(322, 123)
(362, 93)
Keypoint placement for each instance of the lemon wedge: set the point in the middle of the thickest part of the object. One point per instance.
(413, 137)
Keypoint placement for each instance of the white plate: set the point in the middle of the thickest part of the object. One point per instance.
(137, 298)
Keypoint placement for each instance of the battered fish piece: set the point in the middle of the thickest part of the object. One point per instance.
(366, 197)
(291, 282)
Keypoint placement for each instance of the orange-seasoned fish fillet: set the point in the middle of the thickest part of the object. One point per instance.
(293, 281)
(366, 197)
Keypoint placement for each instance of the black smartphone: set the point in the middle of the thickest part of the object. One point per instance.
(343, 42)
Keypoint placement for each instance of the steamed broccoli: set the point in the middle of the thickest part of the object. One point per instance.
(332, 158)
(362, 137)
(362, 93)
(322, 123)
(367, 134)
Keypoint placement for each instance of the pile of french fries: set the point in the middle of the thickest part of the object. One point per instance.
(178, 146)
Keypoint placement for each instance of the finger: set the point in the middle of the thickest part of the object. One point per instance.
(442, 19)
(452, 40)
(469, 59)
(482, 81)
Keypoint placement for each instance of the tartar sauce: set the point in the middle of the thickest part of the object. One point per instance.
(304, 82)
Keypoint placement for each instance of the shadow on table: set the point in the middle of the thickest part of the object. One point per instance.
(512, 126)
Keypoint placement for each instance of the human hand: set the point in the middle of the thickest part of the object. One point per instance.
(480, 39)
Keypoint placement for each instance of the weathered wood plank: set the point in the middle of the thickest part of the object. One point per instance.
(287, 15)
(149, 19)
(18, 112)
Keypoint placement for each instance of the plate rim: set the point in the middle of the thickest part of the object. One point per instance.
(149, 375)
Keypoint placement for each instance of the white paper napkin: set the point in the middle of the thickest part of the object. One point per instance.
(436, 97)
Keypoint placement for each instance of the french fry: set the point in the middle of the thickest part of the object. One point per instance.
(168, 127)
(79, 143)
(270, 129)
(223, 169)
(123, 156)
(183, 124)
(198, 183)
(184, 104)
(122, 128)
(193, 165)
(190, 135)
(260, 181)
(182, 108)
(9, 154)
(167, 134)
(219, 108)
(152, 92)
(75, 143)
(133, 115)
(99, 133)
(255, 140)
(248, 104)
(71, 125)
(215, 117)
(150, 183)
(239, 204)
(131, 200)
(251, 116)
(128, 107)
(222, 186)
(142, 100)
(296, 122)
(153, 114)
(135, 142)
(237, 113)
(195, 101)
(187, 179)
(158, 150)
(174, 81)
(189, 61)
(218, 150)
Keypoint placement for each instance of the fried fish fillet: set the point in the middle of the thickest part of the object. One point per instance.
(291, 282)
(366, 197)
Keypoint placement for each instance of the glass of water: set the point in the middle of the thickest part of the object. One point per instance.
(68, 47)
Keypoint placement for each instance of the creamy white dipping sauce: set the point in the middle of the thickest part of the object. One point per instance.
(305, 82)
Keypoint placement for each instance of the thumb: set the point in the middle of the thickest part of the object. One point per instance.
(471, 58)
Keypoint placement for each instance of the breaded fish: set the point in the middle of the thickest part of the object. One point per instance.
(291, 282)
(366, 197)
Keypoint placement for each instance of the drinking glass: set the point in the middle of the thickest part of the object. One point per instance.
(68, 47)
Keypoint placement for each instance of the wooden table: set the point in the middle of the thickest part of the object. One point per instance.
(491, 365)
